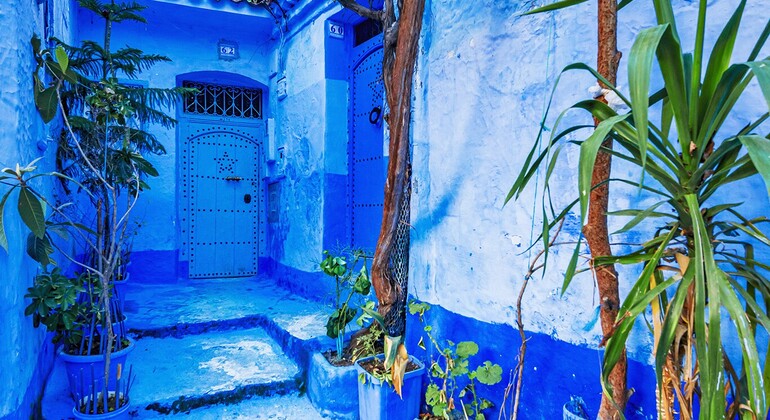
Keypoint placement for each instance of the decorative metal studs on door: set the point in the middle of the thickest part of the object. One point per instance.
(222, 100)
(225, 163)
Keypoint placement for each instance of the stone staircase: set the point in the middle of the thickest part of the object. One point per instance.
(215, 349)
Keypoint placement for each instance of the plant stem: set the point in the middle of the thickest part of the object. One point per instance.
(595, 230)
(533, 267)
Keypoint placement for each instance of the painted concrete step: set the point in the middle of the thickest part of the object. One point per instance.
(283, 407)
(201, 306)
(195, 371)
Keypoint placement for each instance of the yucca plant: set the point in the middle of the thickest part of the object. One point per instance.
(699, 263)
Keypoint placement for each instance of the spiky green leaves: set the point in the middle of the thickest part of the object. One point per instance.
(588, 151)
(687, 159)
(759, 150)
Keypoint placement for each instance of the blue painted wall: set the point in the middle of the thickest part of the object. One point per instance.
(189, 36)
(25, 356)
(483, 79)
(312, 129)
(296, 237)
(554, 371)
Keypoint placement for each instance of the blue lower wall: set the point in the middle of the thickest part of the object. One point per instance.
(336, 230)
(156, 267)
(315, 286)
(30, 404)
(554, 370)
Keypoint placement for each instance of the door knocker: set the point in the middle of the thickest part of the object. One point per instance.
(374, 115)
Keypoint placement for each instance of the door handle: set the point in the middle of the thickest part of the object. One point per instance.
(233, 178)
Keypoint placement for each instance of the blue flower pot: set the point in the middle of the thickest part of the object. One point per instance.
(323, 376)
(121, 287)
(78, 366)
(119, 414)
(378, 401)
(574, 410)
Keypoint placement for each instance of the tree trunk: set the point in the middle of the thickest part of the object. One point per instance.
(399, 95)
(400, 45)
(595, 230)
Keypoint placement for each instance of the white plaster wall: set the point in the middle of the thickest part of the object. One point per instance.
(483, 79)
(297, 239)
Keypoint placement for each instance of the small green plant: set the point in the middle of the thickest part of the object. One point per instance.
(351, 280)
(70, 308)
(55, 304)
(450, 370)
(379, 372)
(367, 344)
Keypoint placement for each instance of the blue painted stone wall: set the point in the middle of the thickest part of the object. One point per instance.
(311, 127)
(483, 80)
(189, 36)
(25, 356)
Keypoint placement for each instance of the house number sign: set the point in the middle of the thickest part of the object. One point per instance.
(336, 30)
(228, 50)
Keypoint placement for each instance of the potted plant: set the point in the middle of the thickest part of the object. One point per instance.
(350, 281)
(91, 404)
(69, 308)
(452, 392)
(334, 369)
(378, 400)
(389, 384)
(575, 409)
(100, 159)
(698, 263)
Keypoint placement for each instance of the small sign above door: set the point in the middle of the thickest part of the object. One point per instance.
(336, 30)
(228, 50)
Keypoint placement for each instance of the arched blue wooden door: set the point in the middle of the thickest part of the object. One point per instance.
(367, 163)
(221, 205)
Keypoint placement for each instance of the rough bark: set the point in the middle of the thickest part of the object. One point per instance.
(400, 45)
(595, 230)
(399, 96)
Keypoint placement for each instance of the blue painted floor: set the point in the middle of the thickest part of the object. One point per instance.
(215, 349)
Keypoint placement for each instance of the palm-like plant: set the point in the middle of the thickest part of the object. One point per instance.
(700, 261)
